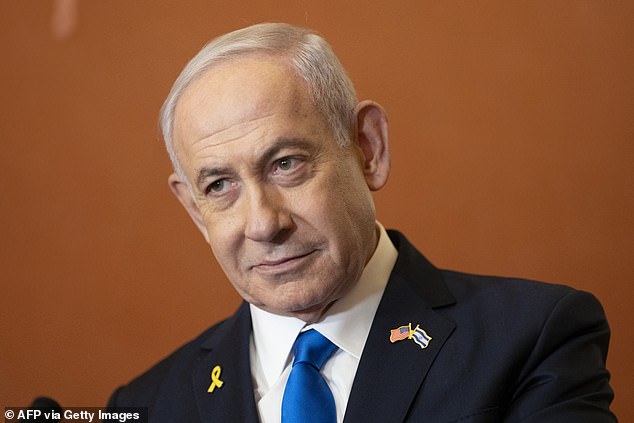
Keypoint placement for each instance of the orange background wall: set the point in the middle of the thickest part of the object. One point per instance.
(512, 131)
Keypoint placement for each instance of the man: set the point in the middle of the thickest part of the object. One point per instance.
(275, 161)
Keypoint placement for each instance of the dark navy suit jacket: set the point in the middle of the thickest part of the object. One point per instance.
(501, 350)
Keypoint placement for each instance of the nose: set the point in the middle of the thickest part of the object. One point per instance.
(267, 214)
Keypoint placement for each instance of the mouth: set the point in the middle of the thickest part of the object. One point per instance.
(284, 264)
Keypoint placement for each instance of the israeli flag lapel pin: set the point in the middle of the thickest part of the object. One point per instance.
(420, 337)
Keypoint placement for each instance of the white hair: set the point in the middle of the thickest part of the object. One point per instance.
(308, 53)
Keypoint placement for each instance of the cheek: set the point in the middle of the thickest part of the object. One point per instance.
(352, 201)
(224, 240)
(344, 215)
(220, 225)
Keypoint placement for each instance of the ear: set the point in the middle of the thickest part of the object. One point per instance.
(372, 138)
(181, 190)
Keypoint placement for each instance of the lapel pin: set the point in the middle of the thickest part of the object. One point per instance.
(400, 333)
(215, 379)
(420, 337)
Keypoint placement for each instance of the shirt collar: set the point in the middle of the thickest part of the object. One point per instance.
(346, 323)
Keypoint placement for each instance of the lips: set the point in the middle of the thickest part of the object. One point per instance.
(283, 264)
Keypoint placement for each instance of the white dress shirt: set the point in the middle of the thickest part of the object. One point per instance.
(346, 324)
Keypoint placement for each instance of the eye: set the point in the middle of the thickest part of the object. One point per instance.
(216, 186)
(286, 164)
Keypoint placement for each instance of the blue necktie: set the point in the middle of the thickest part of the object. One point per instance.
(307, 397)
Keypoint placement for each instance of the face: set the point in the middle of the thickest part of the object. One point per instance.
(287, 212)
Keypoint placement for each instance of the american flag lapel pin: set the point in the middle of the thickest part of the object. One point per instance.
(400, 333)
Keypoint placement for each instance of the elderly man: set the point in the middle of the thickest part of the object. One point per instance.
(275, 160)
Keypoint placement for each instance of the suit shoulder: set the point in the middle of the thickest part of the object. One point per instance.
(527, 302)
(466, 285)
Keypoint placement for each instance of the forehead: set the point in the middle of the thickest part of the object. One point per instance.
(240, 92)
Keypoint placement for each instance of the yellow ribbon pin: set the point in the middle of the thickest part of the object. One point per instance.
(215, 379)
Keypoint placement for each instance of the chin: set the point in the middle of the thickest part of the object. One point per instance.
(310, 312)
(307, 311)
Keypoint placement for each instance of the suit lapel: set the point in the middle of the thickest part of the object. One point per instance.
(229, 349)
(390, 374)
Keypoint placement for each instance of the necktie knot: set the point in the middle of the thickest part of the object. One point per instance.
(311, 347)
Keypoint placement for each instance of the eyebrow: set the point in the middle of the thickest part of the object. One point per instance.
(278, 145)
(207, 172)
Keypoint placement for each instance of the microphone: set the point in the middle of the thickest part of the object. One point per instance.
(41, 405)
